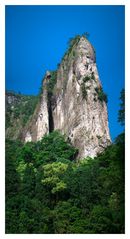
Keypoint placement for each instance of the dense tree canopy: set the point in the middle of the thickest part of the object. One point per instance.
(48, 191)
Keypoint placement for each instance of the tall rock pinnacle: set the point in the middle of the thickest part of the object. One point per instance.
(78, 104)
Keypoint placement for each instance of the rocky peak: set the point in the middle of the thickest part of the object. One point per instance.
(86, 48)
(74, 103)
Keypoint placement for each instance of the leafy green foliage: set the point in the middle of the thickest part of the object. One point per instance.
(47, 191)
(84, 87)
(84, 90)
(86, 79)
(52, 173)
(121, 114)
(12, 177)
(93, 76)
(73, 41)
(54, 147)
(66, 218)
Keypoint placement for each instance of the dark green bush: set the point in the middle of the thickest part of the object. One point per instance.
(92, 76)
(86, 79)
(84, 90)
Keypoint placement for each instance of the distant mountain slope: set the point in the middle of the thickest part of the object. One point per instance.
(19, 109)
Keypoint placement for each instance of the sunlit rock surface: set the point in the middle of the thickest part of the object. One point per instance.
(76, 108)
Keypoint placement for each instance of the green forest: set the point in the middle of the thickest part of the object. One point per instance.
(50, 190)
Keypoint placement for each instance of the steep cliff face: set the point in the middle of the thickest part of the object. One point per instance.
(77, 104)
(38, 125)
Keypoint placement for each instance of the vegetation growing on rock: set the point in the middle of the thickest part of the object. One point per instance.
(86, 79)
(101, 95)
(84, 90)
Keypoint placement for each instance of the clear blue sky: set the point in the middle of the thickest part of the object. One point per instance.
(36, 40)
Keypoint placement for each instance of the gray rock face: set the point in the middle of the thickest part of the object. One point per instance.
(39, 124)
(78, 104)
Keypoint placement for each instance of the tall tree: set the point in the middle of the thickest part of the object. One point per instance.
(121, 113)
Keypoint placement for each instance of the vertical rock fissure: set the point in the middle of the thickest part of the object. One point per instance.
(51, 81)
(50, 116)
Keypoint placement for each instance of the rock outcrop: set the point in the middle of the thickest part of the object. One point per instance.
(38, 125)
(77, 104)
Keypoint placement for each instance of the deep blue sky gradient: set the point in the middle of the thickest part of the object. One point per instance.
(36, 40)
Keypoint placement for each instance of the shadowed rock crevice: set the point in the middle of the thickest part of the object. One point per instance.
(50, 116)
(51, 81)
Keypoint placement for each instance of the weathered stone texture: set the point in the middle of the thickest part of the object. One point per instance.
(77, 111)
(39, 124)
(84, 121)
